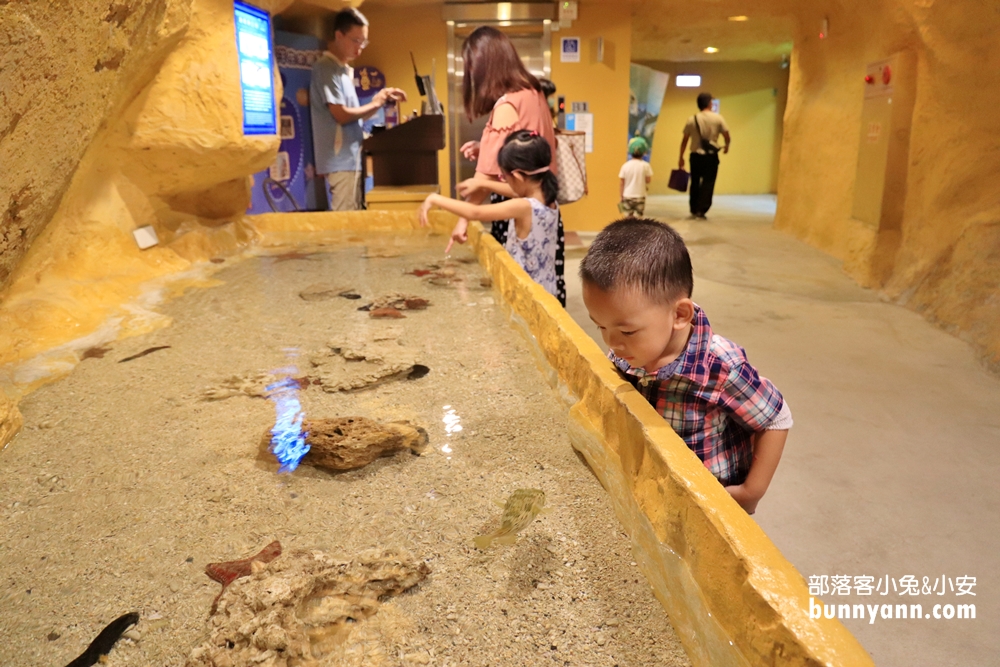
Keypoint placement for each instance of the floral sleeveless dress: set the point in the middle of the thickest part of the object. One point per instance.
(538, 253)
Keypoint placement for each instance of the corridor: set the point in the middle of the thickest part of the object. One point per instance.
(871, 481)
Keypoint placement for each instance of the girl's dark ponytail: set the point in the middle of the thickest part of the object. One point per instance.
(526, 152)
(550, 187)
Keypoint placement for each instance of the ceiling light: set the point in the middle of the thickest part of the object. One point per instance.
(739, 18)
(688, 80)
(711, 49)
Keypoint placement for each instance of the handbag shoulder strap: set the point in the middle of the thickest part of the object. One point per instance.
(697, 127)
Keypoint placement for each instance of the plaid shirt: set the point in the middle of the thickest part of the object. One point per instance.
(713, 398)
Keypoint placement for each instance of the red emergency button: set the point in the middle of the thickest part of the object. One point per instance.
(886, 75)
(869, 79)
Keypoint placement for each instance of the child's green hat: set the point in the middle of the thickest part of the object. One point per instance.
(637, 143)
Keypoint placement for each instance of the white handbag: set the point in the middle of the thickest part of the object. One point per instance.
(572, 165)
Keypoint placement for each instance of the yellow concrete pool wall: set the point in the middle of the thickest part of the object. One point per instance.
(732, 597)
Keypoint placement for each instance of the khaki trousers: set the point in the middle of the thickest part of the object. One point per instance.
(345, 190)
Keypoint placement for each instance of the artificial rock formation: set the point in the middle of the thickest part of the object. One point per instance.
(351, 364)
(346, 443)
(115, 116)
(307, 609)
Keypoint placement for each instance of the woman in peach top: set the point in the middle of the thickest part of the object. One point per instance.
(497, 83)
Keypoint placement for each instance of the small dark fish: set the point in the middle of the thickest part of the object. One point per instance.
(419, 370)
(420, 273)
(217, 260)
(366, 307)
(350, 295)
(144, 353)
(101, 646)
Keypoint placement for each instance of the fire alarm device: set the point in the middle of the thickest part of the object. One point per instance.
(886, 75)
(869, 79)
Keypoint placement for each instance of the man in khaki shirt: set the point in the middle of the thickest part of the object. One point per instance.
(703, 130)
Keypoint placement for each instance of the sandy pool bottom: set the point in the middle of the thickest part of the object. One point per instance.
(126, 482)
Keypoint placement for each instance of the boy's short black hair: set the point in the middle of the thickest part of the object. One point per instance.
(344, 20)
(643, 254)
(704, 101)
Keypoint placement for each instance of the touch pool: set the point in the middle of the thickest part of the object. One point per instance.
(136, 470)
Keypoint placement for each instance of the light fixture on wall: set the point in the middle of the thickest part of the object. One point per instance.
(824, 28)
(711, 49)
(739, 18)
(688, 80)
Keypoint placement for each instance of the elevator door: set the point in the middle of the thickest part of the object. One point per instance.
(532, 42)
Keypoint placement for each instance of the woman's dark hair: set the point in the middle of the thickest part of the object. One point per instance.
(492, 69)
(344, 20)
(526, 151)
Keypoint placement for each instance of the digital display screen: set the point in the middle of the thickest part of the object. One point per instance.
(256, 59)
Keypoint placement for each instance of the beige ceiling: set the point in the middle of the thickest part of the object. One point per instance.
(681, 30)
(677, 30)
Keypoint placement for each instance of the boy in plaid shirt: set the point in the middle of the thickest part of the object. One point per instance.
(637, 284)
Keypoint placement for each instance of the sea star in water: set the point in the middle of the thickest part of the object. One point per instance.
(229, 571)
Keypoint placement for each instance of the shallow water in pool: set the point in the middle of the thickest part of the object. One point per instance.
(126, 480)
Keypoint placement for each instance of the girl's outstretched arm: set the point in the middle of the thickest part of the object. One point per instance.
(518, 209)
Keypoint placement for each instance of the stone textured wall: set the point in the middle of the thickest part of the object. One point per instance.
(64, 69)
(117, 116)
(944, 263)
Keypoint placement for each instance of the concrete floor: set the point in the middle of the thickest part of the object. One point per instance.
(892, 466)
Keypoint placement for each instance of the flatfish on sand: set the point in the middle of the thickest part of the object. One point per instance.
(519, 511)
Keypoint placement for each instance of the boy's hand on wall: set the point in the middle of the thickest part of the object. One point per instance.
(741, 495)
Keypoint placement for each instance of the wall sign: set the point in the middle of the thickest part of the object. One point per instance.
(256, 60)
(569, 50)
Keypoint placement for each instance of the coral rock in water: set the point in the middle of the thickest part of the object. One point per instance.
(341, 370)
(323, 291)
(306, 609)
(346, 443)
(398, 301)
(252, 384)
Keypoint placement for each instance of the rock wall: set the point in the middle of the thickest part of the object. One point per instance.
(943, 261)
(116, 117)
(65, 68)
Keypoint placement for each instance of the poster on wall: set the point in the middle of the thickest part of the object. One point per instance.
(367, 82)
(290, 182)
(647, 88)
(256, 63)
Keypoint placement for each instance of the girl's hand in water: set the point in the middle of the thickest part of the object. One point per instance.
(424, 210)
(460, 234)
(470, 149)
